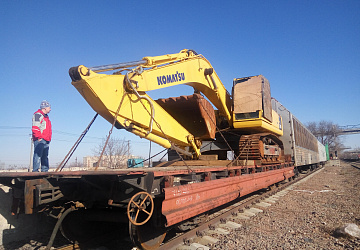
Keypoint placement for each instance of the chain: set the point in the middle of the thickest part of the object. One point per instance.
(217, 128)
(138, 71)
(110, 132)
(152, 114)
(74, 147)
(247, 142)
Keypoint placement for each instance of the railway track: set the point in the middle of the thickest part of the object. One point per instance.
(218, 222)
(356, 165)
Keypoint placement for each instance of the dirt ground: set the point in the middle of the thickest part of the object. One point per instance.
(307, 216)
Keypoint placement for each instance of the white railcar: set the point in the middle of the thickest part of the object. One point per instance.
(299, 143)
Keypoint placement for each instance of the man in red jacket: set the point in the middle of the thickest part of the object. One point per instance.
(41, 135)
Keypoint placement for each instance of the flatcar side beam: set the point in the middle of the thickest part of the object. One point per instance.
(186, 201)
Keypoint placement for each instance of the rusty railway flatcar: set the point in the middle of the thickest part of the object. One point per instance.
(149, 199)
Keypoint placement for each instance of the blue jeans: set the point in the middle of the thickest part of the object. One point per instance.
(41, 152)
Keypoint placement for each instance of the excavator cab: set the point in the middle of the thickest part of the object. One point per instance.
(252, 111)
(257, 124)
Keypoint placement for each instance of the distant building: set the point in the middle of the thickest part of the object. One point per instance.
(114, 162)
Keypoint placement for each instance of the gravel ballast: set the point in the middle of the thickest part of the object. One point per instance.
(307, 217)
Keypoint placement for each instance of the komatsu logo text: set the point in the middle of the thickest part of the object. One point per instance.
(166, 79)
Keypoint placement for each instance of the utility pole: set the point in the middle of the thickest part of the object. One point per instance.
(128, 148)
(150, 155)
(31, 154)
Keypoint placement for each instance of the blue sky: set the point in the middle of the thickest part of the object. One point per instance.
(309, 51)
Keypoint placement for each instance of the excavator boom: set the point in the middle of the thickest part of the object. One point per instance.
(178, 123)
(125, 95)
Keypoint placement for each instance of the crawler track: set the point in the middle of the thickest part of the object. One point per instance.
(266, 148)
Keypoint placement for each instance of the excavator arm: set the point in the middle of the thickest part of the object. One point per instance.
(190, 69)
(124, 95)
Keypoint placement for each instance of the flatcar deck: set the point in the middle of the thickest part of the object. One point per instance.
(178, 168)
(151, 199)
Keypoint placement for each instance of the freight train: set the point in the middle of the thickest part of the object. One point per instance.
(267, 143)
(299, 143)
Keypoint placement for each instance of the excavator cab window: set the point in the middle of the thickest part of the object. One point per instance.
(243, 116)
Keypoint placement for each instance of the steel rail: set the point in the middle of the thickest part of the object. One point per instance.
(356, 165)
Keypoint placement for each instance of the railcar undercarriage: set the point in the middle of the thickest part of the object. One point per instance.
(148, 199)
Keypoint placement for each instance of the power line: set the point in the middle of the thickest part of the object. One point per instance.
(13, 127)
(86, 139)
(55, 131)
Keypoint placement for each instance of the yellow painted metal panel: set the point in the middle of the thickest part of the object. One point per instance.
(104, 94)
(189, 72)
(261, 125)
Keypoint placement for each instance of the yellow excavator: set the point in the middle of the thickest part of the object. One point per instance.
(243, 121)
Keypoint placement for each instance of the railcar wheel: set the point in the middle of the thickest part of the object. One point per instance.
(151, 234)
(147, 237)
(77, 228)
(140, 208)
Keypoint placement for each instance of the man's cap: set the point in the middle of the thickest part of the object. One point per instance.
(44, 104)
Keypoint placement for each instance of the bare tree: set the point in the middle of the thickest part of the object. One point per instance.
(12, 167)
(312, 126)
(115, 154)
(2, 165)
(327, 132)
(75, 164)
